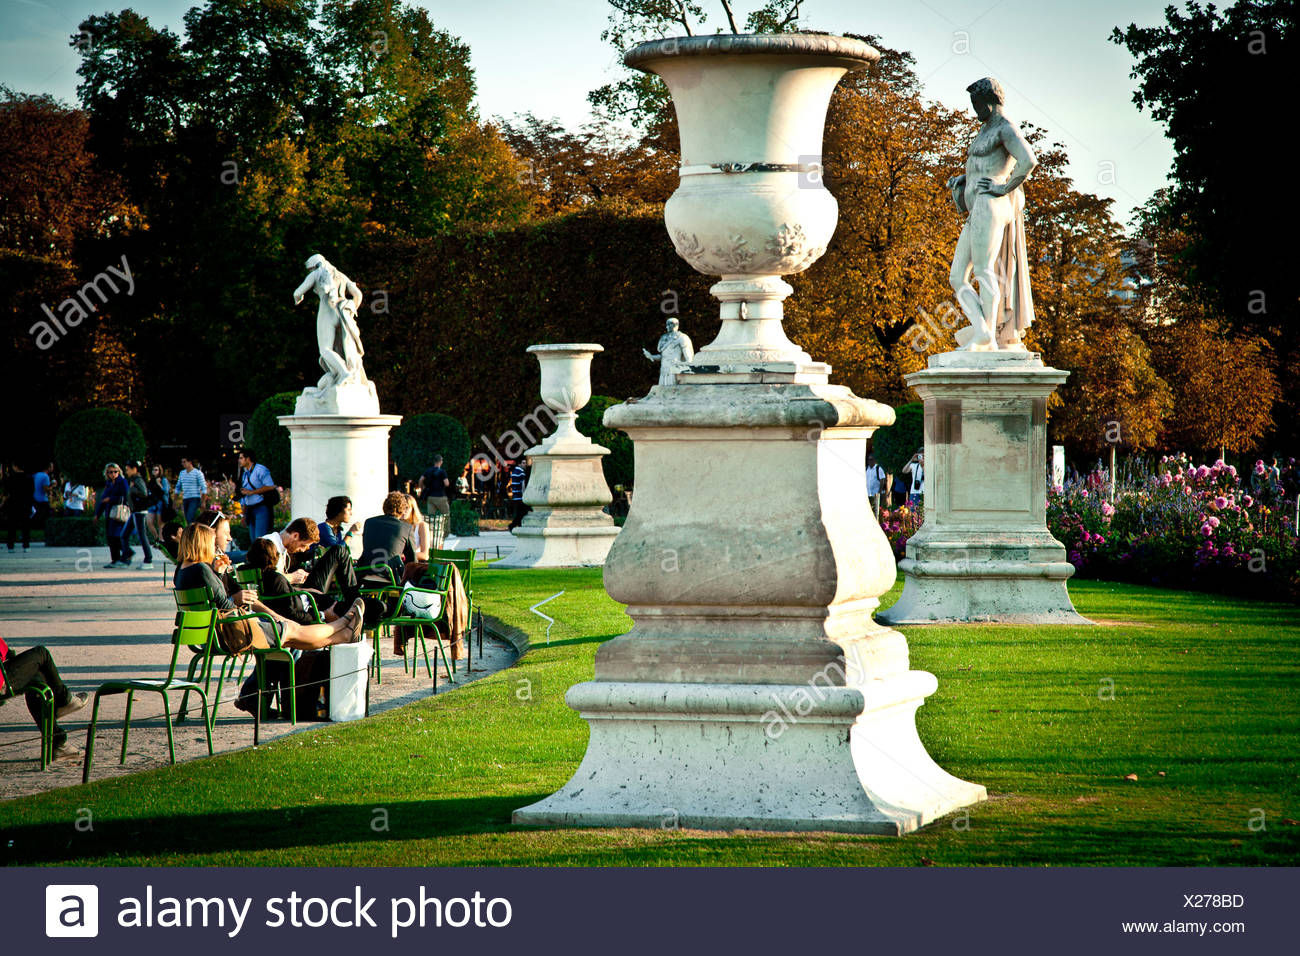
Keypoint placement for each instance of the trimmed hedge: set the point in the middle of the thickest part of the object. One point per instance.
(894, 444)
(268, 439)
(464, 519)
(89, 439)
(65, 531)
(420, 437)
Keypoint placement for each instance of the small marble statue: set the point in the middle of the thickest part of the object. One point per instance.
(675, 352)
(337, 335)
(992, 243)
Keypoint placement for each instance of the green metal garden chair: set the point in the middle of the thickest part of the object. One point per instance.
(200, 667)
(46, 722)
(377, 581)
(434, 584)
(464, 562)
(192, 628)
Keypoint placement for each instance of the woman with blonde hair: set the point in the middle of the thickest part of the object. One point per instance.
(421, 535)
(196, 553)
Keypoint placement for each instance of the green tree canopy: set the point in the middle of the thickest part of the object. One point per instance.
(619, 463)
(415, 442)
(894, 444)
(90, 439)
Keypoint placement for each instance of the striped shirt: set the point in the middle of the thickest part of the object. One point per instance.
(191, 484)
(517, 482)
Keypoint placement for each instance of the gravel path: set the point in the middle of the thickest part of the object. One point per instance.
(105, 624)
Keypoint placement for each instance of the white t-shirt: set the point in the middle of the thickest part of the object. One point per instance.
(918, 479)
(74, 496)
(282, 562)
(875, 478)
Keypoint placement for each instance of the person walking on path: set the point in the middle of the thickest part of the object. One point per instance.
(18, 505)
(875, 483)
(434, 486)
(114, 504)
(41, 495)
(139, 495)
(36, 664)
(255, 484)
(915, 468)
(160, 499)
(74, 498)
(193, 488)
(518, 482)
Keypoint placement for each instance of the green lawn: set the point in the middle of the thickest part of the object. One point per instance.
(1205, 693)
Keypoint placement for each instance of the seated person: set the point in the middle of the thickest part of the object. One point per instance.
(35, 664)
(415, 518)
(169, 539)
(310, 567)
(197, 552)
(387, 538)
(338, 527)
(278, 593)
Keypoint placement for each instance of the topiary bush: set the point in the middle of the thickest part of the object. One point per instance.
(894, 444)
(268, 439)
(90, 439)
(464, 519)
(62, 531)
(619, 463)
(420, 437)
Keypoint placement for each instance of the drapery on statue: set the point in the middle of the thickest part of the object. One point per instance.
(992, 243)
(675, 351)
(337, 335)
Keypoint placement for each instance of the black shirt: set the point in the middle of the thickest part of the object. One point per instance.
(202, 576)
(275, 594)
(435, 483)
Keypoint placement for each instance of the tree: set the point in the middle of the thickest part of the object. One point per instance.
(90, 439)
(1215, 78)
(417, 440)
(619, 464)
(894, 444)
(268, 440)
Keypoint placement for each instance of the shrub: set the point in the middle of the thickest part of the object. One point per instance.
(62, 531)
(89, 439)
(618, 464)
(464, 519)
(269, 440)
(894, 444)
(420, 437)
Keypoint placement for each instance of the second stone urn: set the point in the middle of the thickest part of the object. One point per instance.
(567, 526)
(755, 689)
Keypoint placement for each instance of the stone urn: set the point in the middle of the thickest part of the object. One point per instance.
(751, 206)
(566, 386)
(566, 491)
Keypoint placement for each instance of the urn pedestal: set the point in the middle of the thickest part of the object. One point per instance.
(755, 689)
(566, 490)
(984, 552)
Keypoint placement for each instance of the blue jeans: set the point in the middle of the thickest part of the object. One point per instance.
(191, 509)
(258, 520)
(137, 524)
(116, 547)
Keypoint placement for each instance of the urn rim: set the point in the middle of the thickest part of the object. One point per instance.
(857, 53)
(567, 348)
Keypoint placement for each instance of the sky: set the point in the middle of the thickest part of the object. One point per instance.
(1053, 57)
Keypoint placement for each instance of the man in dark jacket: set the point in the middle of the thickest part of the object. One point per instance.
(386, 538)
(18, 504)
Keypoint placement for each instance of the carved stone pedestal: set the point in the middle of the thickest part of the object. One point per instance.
(984, 552)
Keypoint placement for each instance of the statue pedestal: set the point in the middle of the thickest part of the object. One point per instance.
(754, 690)
(339, 455)
(984, 552)
(566, 491)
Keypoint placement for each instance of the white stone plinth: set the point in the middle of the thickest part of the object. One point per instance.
(339, 455)
(984, 552)
(755, 689)
(566, 527)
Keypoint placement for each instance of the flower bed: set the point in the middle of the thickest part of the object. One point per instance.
(1187, 526)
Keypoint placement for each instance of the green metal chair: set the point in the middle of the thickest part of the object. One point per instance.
(383, 584)
(251, 579)
(192, 628)
(46, 722)
(464, 562)
(200, 667)
(439, 582)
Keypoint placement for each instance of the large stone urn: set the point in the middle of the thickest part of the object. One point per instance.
(566, 490)
(755, 689)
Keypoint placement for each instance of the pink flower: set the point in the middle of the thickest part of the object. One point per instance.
(1187, 489)
(1107, 508)
(1203, 472)
(1220, 502)
(1213, 522)
(1247, 500)
(1259, 467)
(1232, 470)
(1206, 529)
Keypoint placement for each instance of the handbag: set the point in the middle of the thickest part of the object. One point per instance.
(236, 637)
(120, 513)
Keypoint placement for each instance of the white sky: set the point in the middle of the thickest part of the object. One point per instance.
(1054, 57)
